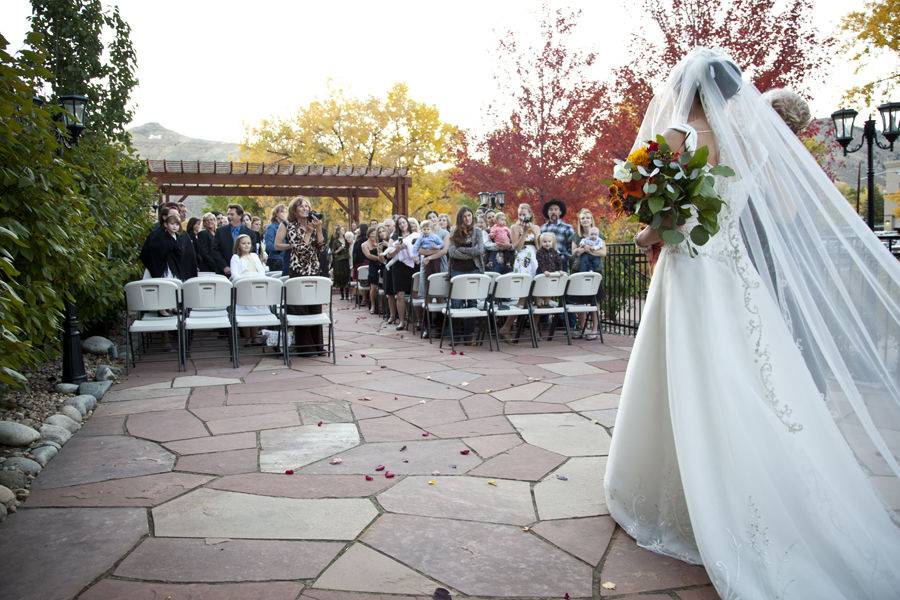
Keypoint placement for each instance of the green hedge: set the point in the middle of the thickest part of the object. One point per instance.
(71, 221)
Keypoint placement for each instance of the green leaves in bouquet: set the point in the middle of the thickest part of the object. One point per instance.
(672, 236)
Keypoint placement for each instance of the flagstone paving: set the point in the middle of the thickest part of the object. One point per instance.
(400, 469)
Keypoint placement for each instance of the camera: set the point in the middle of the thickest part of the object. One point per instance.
(526, 219)
(315, 215)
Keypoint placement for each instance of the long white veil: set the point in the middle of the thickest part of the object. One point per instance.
(837, 286)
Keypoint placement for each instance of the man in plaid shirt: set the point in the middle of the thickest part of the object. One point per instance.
(554, 211)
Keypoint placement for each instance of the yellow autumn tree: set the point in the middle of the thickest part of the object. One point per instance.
(390, 131)
(872, 35)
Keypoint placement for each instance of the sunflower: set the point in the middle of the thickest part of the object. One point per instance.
(616, 204)
(640, 157)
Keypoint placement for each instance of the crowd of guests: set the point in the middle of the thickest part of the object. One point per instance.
(396, 251)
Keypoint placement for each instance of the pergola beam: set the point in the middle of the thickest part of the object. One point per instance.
(217, 190)
(163, 179)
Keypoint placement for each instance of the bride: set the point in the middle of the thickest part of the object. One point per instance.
(759, 425)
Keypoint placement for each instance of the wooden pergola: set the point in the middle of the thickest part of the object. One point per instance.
(178, 179)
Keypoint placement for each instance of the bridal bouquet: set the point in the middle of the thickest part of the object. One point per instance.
(663, 189)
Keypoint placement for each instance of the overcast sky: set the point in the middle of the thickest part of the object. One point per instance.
(208, 67)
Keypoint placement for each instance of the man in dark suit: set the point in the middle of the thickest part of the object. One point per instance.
(223, 244)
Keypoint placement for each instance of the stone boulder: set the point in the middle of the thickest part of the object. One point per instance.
(67, 388)
(54, 433)
(63, 421)
(28, 466)
(43, 454)
(105, 373)
(13, 478)
(97, 345)
(95, 388)
(16, 434)
(71, 412)
(83, 403)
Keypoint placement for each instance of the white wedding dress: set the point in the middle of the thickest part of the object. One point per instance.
(724, 452)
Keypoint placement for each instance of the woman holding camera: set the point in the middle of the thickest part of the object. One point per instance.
(301, 235)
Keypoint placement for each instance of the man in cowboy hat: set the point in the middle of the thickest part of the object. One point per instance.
(554, 211)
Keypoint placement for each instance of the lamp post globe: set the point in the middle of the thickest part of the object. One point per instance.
(890, 127)
(843, 126)
(74, 107)
(844, 120)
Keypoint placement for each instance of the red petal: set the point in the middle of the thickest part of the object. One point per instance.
(389, 475)
(321, 423)
(362, 355)
(466, 451)
(425, 434)
(379, 468)
(369, 478)
(453, 353)
(461, 353)
(289, 472)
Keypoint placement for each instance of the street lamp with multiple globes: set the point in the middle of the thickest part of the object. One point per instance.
(890, 128)
(493, 200)
(73, 360)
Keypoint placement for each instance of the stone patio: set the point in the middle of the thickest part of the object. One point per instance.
(477, 471)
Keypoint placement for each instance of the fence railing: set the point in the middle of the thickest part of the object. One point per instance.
(626, 277)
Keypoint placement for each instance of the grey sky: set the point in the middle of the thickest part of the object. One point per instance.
(208, 67)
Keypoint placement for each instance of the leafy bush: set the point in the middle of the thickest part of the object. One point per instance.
(71, 219)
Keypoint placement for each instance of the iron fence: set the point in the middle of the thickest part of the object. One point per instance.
(626, 277)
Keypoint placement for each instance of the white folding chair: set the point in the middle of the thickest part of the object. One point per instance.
(417, 301)
(207, 306)
(504, 302)
(584, 284)
(437, 286)
(362, 284)
(551, 286)
(256, 302)
(469, 287)
(308, 291)
(150, 296)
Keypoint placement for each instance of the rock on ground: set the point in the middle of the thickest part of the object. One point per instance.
(55, 434)
(13, 478)
(63, 421)
(84, 403)
(104, 373)
(6, 495)
(16, 434)
(71, 412)
(95, 388)
(43, 454)
(96, 344)
(67, 388)
(27, 465)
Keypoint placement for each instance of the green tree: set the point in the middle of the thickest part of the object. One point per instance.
(391, 131)
(873, 34)
(110, 175)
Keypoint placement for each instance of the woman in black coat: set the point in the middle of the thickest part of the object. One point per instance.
(169, 253)
(206, 257)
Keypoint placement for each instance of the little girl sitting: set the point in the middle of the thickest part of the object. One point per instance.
(245, 263)
(549, 260)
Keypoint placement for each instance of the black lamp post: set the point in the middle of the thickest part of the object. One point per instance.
(843, 131)
(493, 200)
(73, 360)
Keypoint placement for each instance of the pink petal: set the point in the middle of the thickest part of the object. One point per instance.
(379, 468)
(389, 475)
(369, 478)
(289, 472)
(466, 451)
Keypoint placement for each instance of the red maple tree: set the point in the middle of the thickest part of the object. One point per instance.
(775, 43)
(551, 144)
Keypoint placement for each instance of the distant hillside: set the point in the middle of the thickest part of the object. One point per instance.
(153, 141)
